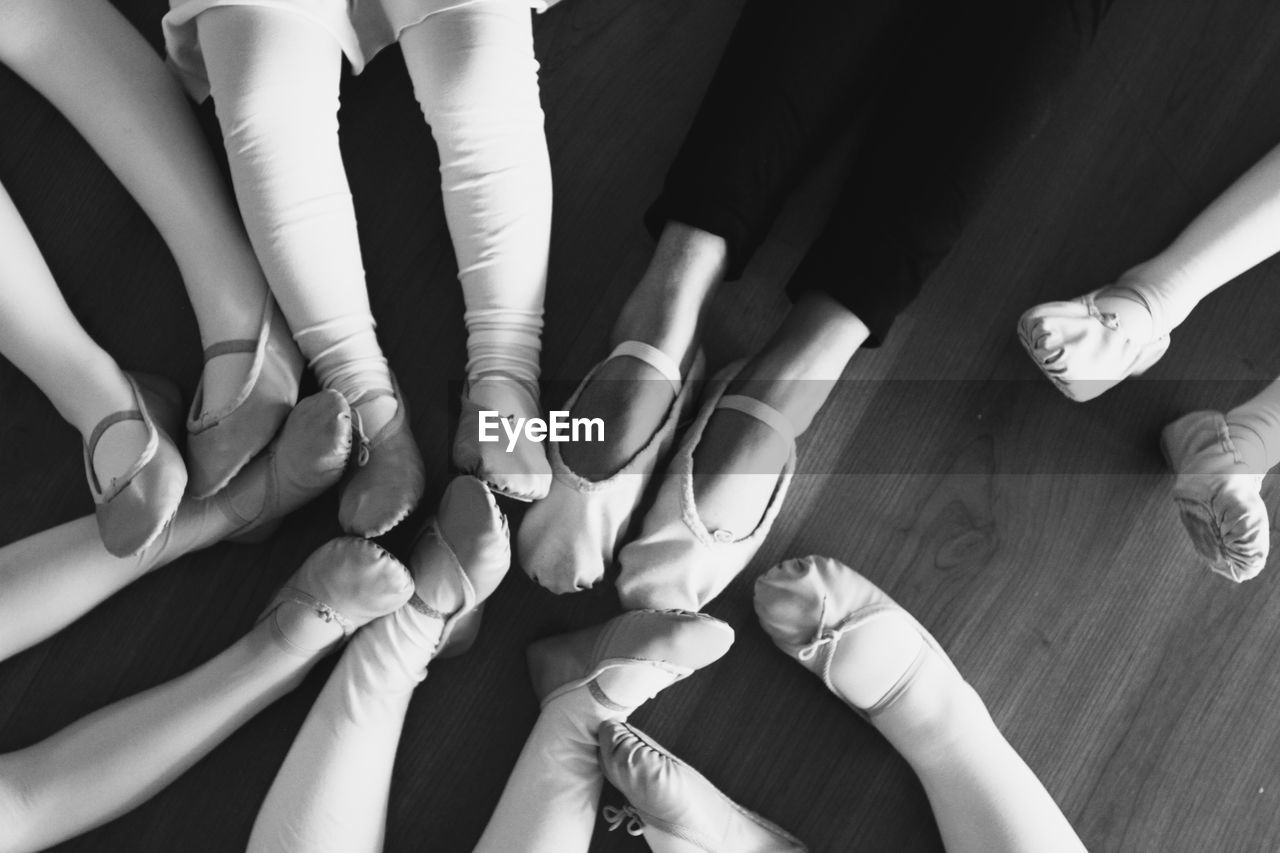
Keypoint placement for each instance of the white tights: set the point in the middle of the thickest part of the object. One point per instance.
(274, 77)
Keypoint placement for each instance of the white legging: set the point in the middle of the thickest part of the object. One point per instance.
(274, 77)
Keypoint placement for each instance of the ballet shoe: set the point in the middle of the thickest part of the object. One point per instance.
(676, 642)
(1218, 497)
(1083, 350)
(347, 582)
(807, 605)
(676, 561)
(568, 539)
(388, 476)
(135, 507)
(220, 443)
(523, 473)
(468, 518)
(668, 796)
(307, 458)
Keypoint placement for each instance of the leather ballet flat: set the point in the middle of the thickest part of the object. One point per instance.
(676, 561)
(568, 540)
(387, 476)
(522, 473)
(468, 518)
(135, 507)
(347, 582)
(677, 642)
(1218, 497)
(220, 443)
(808, 605)
(1083, 350)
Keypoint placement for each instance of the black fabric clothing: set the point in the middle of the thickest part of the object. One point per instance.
(949, 92)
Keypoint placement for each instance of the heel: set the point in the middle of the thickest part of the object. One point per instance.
(164, 401)
(463, 633)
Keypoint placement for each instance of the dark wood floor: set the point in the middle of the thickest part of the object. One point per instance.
(1035, 537)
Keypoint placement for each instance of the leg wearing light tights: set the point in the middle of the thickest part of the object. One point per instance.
(108, 82)
(274, 78)
(549, 803)
(331, 792)
(117, 758)
(43, 339)
(476, 79)
(984, 796)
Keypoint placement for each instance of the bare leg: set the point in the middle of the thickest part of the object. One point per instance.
(103, 76)
(53, 578)
(40, 335)
(113, 760)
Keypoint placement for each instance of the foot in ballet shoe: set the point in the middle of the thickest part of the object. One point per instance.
(388, 476)
(677, 561)
(306, 458)
(135, 507)
(221, 442)
(1218, 495)
(568, 539)
(671, 644)
(344, 585)
(459, 560)
(522, 472)
(843, 628)
(677, 808)
(1083, 350)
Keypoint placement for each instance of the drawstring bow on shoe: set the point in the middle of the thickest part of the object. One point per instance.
(822, 637)
(625, 816)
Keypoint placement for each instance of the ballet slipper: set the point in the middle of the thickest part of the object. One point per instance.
(388, 478)
(1083, 350)
(135, 507)
(306, 458)
(677, 561)
(675, 642)
(347, 582)
(669, 798)
(468, 518)
(1218, 497)
(220, 443)
(522, 473)
(569, 538)
(808, 605)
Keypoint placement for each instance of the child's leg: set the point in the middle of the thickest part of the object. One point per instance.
(39, 334)
(274, 78)
(115, 759)
(476, 79)
(103, 76)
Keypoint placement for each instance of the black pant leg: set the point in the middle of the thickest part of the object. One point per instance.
(791, 77)
(979, 82)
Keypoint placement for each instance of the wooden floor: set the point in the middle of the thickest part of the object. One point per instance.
(1035, 537)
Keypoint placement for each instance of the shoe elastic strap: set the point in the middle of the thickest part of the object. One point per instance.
(652, 356)
(760, 411)
(243, 345)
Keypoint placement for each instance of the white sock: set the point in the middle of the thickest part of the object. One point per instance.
(345, 355)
